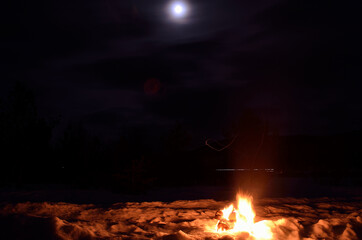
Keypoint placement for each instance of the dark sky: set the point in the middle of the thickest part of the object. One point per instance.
(122, 63)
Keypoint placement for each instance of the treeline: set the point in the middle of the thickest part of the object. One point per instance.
(339, 154)
(24, 138)
(138, 160)
(30, 153)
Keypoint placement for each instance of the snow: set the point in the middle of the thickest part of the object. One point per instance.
(289, 218)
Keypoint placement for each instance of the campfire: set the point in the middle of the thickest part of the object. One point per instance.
(239, 219)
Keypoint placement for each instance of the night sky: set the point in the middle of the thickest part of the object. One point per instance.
(115, 64)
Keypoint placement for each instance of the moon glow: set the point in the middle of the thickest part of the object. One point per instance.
(178, 9)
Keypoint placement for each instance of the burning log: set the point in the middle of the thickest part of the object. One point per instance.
(225, 224)
(232, 217)
(218, 214)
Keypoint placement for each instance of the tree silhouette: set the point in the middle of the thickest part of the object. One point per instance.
(173, 164)
(177, 139)
(24, 137)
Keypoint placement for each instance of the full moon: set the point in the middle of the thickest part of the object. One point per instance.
(178, 9)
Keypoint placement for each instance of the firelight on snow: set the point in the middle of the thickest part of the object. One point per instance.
(285, 218)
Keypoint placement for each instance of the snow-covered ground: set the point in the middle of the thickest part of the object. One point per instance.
(303, 218)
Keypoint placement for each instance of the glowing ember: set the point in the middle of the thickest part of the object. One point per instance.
(240, 220)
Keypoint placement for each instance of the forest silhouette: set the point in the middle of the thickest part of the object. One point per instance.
(32, 154)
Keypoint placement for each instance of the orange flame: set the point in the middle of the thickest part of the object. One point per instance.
(241, 220)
